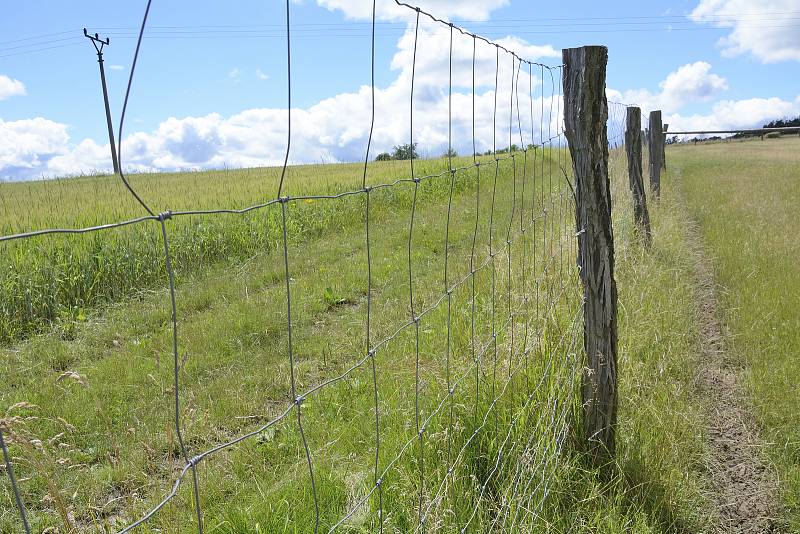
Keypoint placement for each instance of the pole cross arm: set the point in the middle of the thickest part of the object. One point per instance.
(96, 37)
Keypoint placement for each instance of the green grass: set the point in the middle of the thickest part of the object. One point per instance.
(57, 279)
(95, 444)
(745, 195)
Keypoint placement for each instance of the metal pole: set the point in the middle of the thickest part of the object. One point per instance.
(95, 39)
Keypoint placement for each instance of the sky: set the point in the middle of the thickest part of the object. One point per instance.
(210, 87)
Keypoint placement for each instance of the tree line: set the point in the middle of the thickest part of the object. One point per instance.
(409, 151)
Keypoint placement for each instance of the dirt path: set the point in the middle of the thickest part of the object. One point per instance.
(745, 489)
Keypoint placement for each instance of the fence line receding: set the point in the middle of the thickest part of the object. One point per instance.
(475, 348)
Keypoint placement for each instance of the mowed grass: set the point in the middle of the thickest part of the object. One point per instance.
(745, 195)
(89, 403)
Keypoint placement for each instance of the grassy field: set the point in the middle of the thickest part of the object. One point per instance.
(56, 280)
(87, 393)
(745, 196)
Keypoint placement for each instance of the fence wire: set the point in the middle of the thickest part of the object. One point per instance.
(521, 374)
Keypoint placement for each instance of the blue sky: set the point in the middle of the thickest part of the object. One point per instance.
(210, 87)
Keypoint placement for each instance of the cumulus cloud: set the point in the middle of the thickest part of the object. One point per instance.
(37, 147)
(757, 27)
(10, 87)
(693, 82)
(30, 142)
(257, 137)
(731, 114)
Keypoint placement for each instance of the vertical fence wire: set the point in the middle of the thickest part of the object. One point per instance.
(14, 487)
(368, 347)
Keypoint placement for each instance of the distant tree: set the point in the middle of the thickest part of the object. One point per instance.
(783, 123)
(384, 156)
(451, 153)
(405, 151)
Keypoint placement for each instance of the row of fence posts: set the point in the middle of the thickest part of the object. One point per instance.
(585, 123)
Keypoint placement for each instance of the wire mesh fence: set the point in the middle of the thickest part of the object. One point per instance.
(437, 393)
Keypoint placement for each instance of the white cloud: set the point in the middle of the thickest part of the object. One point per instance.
(759, 27)
(234, 73)
(389, 10)
(693, 82)
(257, 137)
(87, 156)
(34, 147)
(261, 75)
(731, 114)
(116, 67)
(10, 87)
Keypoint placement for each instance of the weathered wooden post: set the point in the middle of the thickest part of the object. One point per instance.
(655, 139)
(664, 149)
(633, 148)
(585, 117)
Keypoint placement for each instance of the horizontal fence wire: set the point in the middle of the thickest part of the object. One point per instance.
(531, 256)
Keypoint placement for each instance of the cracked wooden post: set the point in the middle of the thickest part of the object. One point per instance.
(586, 116)
(664, 149)
(633, 148)
(655, 139)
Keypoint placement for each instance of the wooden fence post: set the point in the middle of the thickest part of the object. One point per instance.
(633, 148)
(585, 117)
(655, 139)
(664, 149)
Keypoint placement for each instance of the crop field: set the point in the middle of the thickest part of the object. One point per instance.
(60, 280)
(88, 391)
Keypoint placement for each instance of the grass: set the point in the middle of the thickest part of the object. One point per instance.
(88, 396)
(59, 280)
(745, 196)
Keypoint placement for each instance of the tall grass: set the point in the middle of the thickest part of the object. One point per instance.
(60, 279)
(90, 412)
(745, 196)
